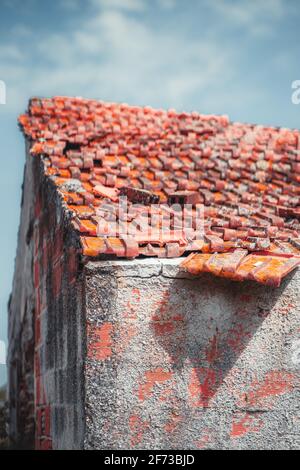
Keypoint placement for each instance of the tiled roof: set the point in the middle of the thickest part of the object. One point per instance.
(246, 176)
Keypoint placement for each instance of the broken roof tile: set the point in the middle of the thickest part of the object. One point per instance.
(239, 266)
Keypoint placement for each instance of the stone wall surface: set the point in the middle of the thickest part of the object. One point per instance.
(21, 325)
(176, 362)
(3, 419)
(46, 324)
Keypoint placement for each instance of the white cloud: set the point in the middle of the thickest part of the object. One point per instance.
(114, 55)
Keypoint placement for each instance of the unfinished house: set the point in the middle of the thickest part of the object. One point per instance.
(131, 330)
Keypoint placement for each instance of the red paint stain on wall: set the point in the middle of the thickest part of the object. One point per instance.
(133, 304)
(204, 440)
(38, 207)
(137, 428)
(36, 273)
(242, 312)
(202, 386)
(237, 336)
(162, 305)
(173, 422)
(127, 333)
(246, 298)
(136, 294)
(43, 439)
(275, 383)
(212, 350)
(150, 379)
(100, 341)
(37, 330)
(285, 309)
(163, 327)
(43, 444)
(242, 425)
(167, 395)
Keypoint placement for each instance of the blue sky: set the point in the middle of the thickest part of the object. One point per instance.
(227, 57)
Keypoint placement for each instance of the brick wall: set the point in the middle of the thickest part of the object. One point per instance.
(21, 326)
(46, 340)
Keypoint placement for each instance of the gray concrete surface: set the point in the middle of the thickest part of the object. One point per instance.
(178, 362)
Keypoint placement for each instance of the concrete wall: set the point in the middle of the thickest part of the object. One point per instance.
(175, 362)
(46, 323)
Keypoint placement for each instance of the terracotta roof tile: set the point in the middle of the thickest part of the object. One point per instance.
(247, 178)
(239, 266)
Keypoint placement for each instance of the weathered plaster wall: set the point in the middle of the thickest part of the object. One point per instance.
(21, 325)
(46, 325)
(59, 326)
(175, 362)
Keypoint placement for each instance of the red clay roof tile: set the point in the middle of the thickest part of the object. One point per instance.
(246, 176)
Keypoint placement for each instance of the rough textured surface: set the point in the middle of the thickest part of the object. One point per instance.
(21, 324)
(46, 325)
(178, 362)
(107, 354)
(3, 419)
(240, 266)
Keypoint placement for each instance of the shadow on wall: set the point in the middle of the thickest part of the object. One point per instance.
(210, 334)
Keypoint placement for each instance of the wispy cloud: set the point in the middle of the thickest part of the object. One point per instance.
(114, 55)
(130, 50)
(256, 16)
